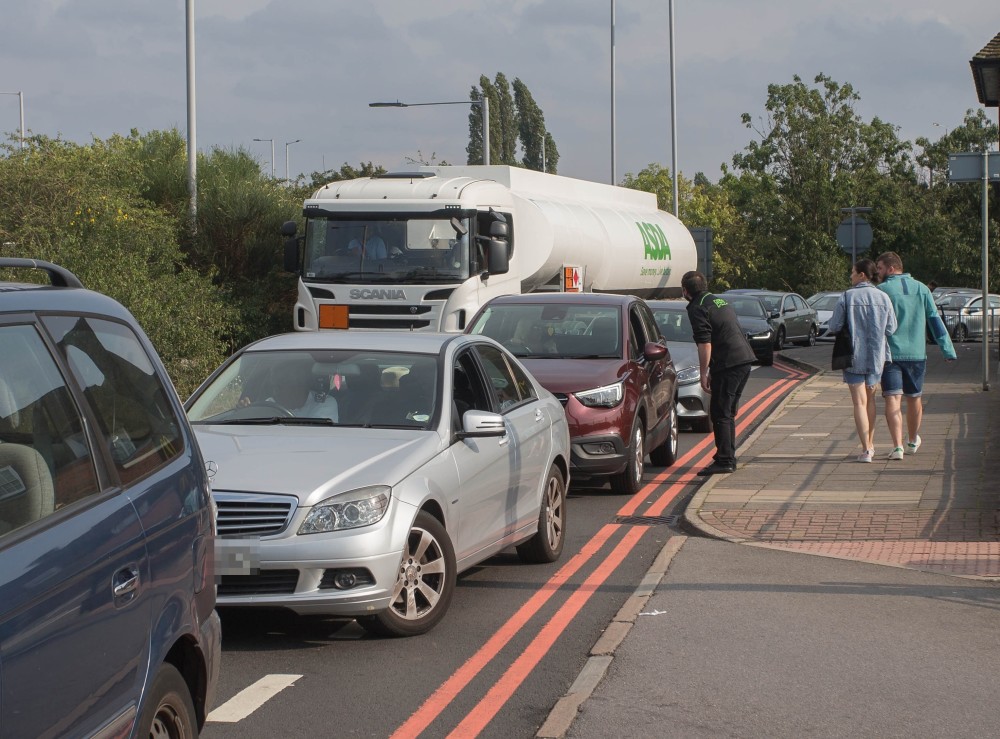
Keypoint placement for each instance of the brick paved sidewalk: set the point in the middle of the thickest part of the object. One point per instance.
(799, 487)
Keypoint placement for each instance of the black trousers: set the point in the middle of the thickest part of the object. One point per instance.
(727, 387)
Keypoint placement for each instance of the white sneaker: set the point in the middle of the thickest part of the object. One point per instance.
(866, 455)
(912, 446)
(896, 453)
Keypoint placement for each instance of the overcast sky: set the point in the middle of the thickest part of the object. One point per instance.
(307, 69)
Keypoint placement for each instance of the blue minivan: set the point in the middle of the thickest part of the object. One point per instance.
(107, 529)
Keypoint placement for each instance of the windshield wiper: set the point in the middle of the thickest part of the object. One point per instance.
(274, 421)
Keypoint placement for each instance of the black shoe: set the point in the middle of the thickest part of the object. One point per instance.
(717, 469)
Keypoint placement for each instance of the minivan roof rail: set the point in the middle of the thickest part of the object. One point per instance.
(58, 276)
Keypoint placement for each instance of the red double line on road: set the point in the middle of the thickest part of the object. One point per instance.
(484, 711)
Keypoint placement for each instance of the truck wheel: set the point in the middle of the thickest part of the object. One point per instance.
(666, 453)
(547, 543)
(169, 710)
(629, 481)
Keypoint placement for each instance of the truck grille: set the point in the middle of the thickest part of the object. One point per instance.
(243, 515)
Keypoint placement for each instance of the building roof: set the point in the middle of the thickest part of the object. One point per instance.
(986, 73)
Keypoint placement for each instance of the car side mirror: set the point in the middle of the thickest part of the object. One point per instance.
(775, 314)
(481, 424)
(653, 351)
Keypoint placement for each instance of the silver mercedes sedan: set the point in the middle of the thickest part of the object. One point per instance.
(357, 473)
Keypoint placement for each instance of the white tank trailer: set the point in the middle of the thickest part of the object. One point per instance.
(424, 250)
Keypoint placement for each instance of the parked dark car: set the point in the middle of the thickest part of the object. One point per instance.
(606, 360)
(792, 318)
(107, 586)
(754, 320)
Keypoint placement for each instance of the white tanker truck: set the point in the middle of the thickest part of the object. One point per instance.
(423, 250)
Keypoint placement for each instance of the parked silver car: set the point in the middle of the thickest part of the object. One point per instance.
(692, 400)
(962, 314)
(358, 473)
(823, 303)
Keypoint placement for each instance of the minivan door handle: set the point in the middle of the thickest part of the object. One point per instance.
(125, 584)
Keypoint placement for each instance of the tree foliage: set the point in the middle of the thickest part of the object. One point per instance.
(517, 126)
(82, 207)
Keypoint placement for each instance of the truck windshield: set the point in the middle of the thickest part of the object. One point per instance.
(399, 250)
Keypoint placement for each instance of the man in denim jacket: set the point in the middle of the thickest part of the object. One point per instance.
(904, 375)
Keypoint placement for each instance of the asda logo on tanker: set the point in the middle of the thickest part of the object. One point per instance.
(654, 241)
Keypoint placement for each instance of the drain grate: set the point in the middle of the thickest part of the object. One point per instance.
(647, 520)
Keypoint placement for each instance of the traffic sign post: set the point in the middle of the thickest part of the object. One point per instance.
(980, 167)
(854, 234)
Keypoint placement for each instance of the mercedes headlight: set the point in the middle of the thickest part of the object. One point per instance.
(352, 510)
(689, 376)
(602, 397)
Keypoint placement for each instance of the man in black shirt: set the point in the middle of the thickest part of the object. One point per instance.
(724, 357)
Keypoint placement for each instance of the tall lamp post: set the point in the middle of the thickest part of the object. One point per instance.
(614, 153)
(483, 103)
(272, 156)
(192, 146)
(287, 144)
(20, 100)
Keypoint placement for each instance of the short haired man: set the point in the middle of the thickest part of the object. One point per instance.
(724, 358)
(916, 317)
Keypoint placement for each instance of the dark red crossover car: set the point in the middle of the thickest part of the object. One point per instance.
(605, 359)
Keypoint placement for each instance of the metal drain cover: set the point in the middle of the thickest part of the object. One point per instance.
(647, 520)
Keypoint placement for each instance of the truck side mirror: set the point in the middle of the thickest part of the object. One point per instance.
(498, 230)
(497, 259)
(288, 228)
(291, 255)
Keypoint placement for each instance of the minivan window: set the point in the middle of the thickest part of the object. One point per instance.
(45, 459)
(116, 375)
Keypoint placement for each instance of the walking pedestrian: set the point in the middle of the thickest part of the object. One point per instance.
(868, 313)
(903, 375)
(724, 358)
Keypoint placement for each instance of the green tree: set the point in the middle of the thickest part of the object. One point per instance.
(516, 122)
(540, 152)
(81, 206)
(814, 156)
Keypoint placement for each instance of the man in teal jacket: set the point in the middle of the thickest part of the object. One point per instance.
(904, 374)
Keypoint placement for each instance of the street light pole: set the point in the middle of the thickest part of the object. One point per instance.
(20, 101)
(673, 114)
(192, 146)
(483, 103)
(272, 155)
(287, 144)
(614, 154)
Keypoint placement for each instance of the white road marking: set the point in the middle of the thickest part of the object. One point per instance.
(250, 699)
